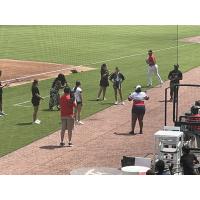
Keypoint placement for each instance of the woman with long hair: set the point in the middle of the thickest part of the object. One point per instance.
(79, 101)
(104, 83)
(138, 109)
(59, 83)
(35, 101)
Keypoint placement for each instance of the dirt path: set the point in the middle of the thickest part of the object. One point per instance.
(18, 72)
(102, 141)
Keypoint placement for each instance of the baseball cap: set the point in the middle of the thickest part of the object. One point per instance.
(138, 86)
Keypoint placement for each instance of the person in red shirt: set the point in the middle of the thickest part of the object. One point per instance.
(152, 68)
(67, 105)
(194, 117)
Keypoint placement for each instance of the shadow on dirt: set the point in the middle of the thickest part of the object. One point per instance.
(124, 134)
(52, 147)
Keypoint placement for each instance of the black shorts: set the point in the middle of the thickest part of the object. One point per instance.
(138, 110)
(104, 83)
(79, 103)
(117, 85)
(35, 102)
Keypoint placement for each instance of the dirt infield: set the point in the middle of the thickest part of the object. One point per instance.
(17, 72)
(101, 142)
(195, 39)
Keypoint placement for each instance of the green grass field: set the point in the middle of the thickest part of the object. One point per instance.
(121, 46)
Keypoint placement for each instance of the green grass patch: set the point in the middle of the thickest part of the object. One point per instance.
(84, 45)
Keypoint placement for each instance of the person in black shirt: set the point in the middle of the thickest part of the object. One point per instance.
(117, 78)
(35, 101)
(174, 76)
(104, 83)
(188, 160)
(1, 98)
(160, 168)
(62, 79)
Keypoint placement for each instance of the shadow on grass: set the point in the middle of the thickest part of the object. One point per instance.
(93, 100)
(47, 110)
(52, 147)
(107, 103)
(24, 124)
(123, 134)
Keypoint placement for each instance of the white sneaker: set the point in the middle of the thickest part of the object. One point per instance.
(37, 121)
(104, 99)
(98, 98)
(116, 103)
(76, 122)
(80, 123)
(122, 103)
(3, 113)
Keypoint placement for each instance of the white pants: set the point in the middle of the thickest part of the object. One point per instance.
(153, 70)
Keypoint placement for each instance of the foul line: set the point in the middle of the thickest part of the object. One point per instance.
(40, 74)
(140, 54)
(21, 104)
(118, 58)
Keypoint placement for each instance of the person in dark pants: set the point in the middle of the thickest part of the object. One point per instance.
(188, 160)
(117, 78)
(104, 83)
(35, 101)
(138, 109)
(174, 76)
(1, 96)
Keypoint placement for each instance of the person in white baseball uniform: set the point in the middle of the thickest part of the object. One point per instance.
(152, 68)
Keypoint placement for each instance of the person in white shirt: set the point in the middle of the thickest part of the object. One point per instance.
(78, 97)
(138, 109)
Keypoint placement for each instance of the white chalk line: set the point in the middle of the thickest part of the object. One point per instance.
(118, 58)
(122, 57)
(40, 74)
(140, 54)
(25, 102)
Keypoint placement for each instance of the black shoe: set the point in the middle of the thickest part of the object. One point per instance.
(70, 144)
(131, 133)
(62, 144)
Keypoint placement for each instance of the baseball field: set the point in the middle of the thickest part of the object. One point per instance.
(88, 46)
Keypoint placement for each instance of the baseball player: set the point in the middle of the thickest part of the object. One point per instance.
(152, 68)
